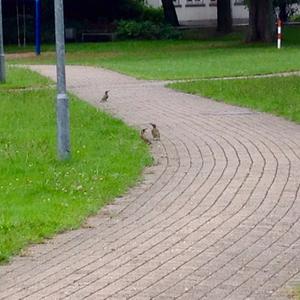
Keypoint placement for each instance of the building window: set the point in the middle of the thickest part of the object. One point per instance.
(213, 3)
(239, 2)
(195, 3)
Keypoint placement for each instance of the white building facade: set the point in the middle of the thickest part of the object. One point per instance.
(204, 12)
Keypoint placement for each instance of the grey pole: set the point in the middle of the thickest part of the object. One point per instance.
(2, 59)
(62, 105)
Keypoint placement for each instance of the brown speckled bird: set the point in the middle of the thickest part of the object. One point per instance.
(105, 97)
(143, 136)
(155, 132)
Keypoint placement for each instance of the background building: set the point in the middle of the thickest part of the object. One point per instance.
(204, 12)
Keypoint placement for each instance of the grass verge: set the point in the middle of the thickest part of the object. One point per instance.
(183, 59)
(39, 195)
(294, 294)
(276, 95)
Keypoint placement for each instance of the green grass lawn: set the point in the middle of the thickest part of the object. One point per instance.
(276, 95)
(298, 294)
(183, 59)
(40, 195)
(294, 294)
(16, 79)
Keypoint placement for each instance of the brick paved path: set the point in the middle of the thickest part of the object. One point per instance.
(217, 216)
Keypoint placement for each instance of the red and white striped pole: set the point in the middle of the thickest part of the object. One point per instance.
(279, 35)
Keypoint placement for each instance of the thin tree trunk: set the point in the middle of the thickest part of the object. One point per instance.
(261, 21)
(224, 16)
(24, 24)
(170, 12)
(18, 24)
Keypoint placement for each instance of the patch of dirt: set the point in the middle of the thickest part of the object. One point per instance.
(22, 55)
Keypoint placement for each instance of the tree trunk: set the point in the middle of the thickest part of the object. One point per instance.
(283, 16)
(224, 16)
(261, 21)
(170, 12)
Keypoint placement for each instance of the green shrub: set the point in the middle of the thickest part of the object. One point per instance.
(155, 15)
(128, 29)
(131, 9)
(145, 30)
(137, 10)
(148, 30)
(168, 32)
(295, 18)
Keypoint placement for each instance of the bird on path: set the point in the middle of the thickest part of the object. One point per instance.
(143, 136)
(105, 97)
(155, 132)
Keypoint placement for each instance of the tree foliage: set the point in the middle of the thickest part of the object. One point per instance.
(286, 8)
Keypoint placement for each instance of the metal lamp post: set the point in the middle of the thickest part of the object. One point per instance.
(2, 59)
(62, 105)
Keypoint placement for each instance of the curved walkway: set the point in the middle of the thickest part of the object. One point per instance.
(216, 217)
